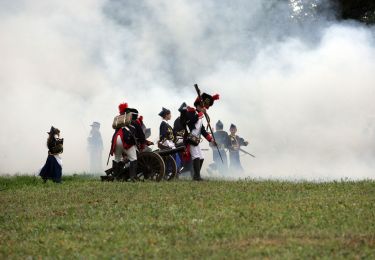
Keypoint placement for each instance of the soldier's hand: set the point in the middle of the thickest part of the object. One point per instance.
(213, 143)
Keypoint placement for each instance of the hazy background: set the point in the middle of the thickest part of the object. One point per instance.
(298, 84)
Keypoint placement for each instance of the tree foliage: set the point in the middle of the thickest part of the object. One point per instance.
(361, 10)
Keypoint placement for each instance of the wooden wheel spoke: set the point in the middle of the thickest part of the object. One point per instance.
(152, 165)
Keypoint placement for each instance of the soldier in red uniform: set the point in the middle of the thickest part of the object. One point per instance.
(193, 119)
(124, 144)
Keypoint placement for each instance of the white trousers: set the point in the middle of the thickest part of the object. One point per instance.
(196, 152)
(131, 153)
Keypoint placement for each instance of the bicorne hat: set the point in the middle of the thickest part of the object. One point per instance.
(164, 112)
(206, 100)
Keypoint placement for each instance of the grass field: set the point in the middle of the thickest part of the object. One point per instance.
(84, 218)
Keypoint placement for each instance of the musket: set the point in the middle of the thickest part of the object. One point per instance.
(109, 155)
(207, 119)
(242, 150)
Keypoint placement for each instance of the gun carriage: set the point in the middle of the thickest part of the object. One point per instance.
(152, 165)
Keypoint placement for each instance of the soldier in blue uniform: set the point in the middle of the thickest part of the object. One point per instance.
(167, 138)
(223, 143)
(95, 148)
(179, 130)
(234, 150)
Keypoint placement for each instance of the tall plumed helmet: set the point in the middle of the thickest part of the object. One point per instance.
(206, 99)
(122, 108)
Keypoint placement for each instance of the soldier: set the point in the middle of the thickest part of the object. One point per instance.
(52, 169)
(193, 119)
(166, 137)
(223, 142)
(178, 129)
(124, 143)
(95, 148)
(137, 122)
(234, 150)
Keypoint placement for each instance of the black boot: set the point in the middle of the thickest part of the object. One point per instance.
(115, 169)
(197, 169)
(133, 171)
(121, 171)
(201, 163)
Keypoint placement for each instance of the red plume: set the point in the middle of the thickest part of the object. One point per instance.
(216, 97)
(140, 120)
(122, 107)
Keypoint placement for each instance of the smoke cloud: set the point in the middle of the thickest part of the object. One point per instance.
(298, 84)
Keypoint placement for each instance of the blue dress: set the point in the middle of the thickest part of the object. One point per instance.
(51, 170)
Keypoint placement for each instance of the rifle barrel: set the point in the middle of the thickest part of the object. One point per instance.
(242, 150)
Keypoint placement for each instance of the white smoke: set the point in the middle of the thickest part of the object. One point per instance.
(300, 89)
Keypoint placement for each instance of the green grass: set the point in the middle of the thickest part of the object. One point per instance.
(84, 218)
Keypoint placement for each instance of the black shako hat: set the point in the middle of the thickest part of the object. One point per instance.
(164, 112)
(134, 113)
(219, 125)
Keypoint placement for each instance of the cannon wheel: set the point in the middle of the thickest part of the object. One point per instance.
(151, 166)
(170, 167)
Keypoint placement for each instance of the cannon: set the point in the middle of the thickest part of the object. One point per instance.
(152, 165)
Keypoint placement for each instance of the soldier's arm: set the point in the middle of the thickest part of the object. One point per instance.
(242, 142)
(163, 131)
(206, 134)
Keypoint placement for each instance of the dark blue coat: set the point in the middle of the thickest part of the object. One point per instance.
(166, 132)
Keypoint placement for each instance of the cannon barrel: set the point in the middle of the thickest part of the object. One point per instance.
(166, 152)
